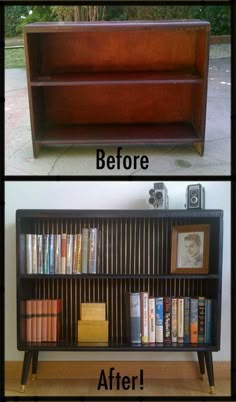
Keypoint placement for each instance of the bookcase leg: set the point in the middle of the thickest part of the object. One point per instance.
(35, 355)
(210, 372)
(199, 146)
(36, 149)
(25, 369)
(201, 364)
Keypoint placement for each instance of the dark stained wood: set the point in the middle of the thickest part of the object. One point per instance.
(116, 73)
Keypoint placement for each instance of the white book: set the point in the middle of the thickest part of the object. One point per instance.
(40, 253)
(92, 251)
(34, 254)
(29, 267)
(180, 320)
(151, 320)
(57, 254)
(84, 250)
(69, 253)
(174, 321)
(144, 316)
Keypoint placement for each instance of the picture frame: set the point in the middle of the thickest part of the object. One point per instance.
(190, 249)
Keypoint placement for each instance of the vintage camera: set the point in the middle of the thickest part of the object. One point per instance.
(195, 196)
(159, 196)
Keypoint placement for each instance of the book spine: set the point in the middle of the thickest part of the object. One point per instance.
(63, 252)
(40, 253)
(84, 250)
(180, 314)
(144, 316)
(208, 321)
(92, 251)
(51, 254)
(39, 321)
(193, 320)
(79, 244)
(34, 254)
(75, 254)
(49, 320)
(34, 321)
(57, 254)
(59, 319)
(186, 319)
(135, 318)
(151, 320)
(29, 266)
(167, 319)
(28, 320)
(44, 320)
(69, 253)
(201, 319)
(46, 254)
(54, 320)
(174, 322)
(159, 319)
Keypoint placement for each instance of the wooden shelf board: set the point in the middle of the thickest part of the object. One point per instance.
(116, 276)
(132, 134)
(119, 78)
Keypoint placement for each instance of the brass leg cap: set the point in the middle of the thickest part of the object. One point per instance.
(202, 377)
(212, 390)
(22, 388)
(34, 377)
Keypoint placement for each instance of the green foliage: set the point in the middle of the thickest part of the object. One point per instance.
(218, 16)
(37, 14)
(13, 18)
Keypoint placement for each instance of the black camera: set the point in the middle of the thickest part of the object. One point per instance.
(195, 196)
(159, 196)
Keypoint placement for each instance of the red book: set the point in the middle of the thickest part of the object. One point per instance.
(34, 321)
(44, 334)
(28, 320)
(49, 321)
(55, 309)
(39, 321)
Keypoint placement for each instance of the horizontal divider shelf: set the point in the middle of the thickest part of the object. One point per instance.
(138, 134)
(119, 78)
(116, 276)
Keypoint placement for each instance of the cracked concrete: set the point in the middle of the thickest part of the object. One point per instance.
(81, 160)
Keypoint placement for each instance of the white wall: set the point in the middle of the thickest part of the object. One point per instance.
(105, 195)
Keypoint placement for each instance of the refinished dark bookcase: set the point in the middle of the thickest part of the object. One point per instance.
(135, 256)
(114, 83)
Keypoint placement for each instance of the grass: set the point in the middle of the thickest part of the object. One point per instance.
(14, 58)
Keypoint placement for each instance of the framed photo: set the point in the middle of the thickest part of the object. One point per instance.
(190, 249)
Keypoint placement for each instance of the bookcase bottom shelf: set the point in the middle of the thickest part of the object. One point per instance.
(182, 133)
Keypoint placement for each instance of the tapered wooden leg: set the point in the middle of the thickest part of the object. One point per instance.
(34, 364)
(36, 149)
(199, 146)
(25, 369)
(210, 372)
(201, 364)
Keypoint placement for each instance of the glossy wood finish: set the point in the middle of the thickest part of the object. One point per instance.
(116, 75)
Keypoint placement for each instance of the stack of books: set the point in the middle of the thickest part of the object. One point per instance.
(169, 319)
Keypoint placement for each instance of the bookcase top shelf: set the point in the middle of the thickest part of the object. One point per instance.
(117, 276)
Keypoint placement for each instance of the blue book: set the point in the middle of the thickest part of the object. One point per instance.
(135, 318)
(159, 319)
(186, 319)
(51, 254)
(46, 254)
(208, 321)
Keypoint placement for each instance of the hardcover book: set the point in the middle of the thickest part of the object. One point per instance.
(40, 253)
(29, 266)
(174, 321)
(186, 319)
(63, 253)
(46, 254)
(159, 319)
(208, 321)
(201, 319)
(57, 254)
(69, 253)
(167, 319)
(92, 251)
(180, 313)
(151, 320)
(135, 318)
(51, 254)
(193, 320)
(144, 316)
(34, 254)
(79, 244)
(85, 233)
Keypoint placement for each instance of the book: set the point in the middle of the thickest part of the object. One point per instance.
(208, 321)
(167, 319)
(135, 318)
(34, 254)
(28, 320)
(55, 319)
(159, 319)
(46, 254)
(51, 254)
(180, 314)
(84, 250)
(186, 319)
(49, 320)
(151, 320)
(38, 320)
(201, 319)
(44, 320)
(193, 320)
(79, 256)
(75, 252)
(28, 246)
(40, 253)
(34, 320)
(174, 321)
(144, 316)
(92, 251)
(69, 253)
(57, 254)
(63, 253)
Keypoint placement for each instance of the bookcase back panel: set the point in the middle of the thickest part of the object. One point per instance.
(142, 50)
(138, 246)
(98, 104)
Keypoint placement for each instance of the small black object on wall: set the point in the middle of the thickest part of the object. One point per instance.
(195, 197)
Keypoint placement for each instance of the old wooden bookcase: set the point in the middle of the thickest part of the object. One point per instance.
(135, 256)
(114, 83)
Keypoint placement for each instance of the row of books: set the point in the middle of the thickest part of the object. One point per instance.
(169, 319)
(62, 253)
(41, 320)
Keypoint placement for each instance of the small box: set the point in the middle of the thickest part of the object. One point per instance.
(93, 311)
(93, 331)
